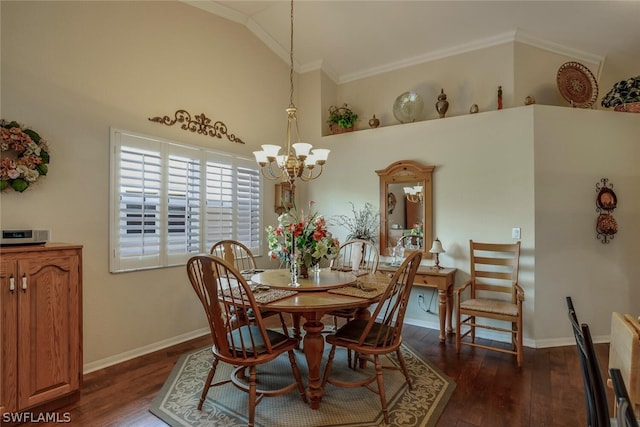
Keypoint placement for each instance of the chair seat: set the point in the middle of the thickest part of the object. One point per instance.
(488, 305)
(247, 332)
(352, 331)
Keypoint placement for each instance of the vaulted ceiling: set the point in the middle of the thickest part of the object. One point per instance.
(354, 39)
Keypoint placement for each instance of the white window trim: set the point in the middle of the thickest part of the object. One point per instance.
(118, 264)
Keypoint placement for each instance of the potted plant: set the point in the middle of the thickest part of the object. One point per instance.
(341, 119)
(624, 96)
(363, 224)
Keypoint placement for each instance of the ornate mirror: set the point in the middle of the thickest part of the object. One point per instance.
(406, 206)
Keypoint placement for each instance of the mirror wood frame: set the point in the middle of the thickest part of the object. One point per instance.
(409, 172)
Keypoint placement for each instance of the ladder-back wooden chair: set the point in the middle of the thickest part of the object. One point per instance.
(356, 251)
(223, 293)
(494, 294)
(240, 256)
(380, 335)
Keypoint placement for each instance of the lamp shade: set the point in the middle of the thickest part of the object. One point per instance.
(437, 248)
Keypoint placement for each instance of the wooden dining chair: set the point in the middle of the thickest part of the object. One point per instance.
(362, 252)
(235, 253)
(224, 293)
(380, 335)
(624, 354)
(365, 254)
(626, 417)
(240, 256)
(494, 294)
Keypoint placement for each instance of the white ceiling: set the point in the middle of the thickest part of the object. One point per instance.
(354, 39)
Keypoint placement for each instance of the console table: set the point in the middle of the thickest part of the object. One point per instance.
(443, 281)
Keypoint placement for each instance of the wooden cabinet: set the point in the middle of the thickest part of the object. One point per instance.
(40, 325)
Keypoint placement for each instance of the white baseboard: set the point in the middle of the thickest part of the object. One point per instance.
(496, 336)
(140, 351)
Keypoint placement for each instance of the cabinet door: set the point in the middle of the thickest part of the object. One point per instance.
(49, 338)
(8, 334)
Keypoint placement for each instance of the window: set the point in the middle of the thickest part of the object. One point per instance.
(170, 201)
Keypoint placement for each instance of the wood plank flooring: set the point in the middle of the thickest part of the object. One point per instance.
(491, 391)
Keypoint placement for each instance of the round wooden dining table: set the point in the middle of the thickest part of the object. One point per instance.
(315, 297)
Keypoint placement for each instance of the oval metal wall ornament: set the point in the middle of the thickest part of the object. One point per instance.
(200, 124)
(606, 202)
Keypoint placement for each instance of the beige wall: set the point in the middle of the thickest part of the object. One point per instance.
(482, 185)
(73, 69)
(574, 149)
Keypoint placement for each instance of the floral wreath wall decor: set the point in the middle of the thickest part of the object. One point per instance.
(25, 156)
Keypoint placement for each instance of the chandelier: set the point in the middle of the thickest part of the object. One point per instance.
(300, 159)
(414, 194)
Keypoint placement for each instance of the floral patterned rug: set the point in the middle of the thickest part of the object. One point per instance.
(176, 404)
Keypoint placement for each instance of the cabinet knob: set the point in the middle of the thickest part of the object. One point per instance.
(24, 283)
(12, 284)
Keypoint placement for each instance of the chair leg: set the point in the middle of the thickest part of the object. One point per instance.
(403, 365)
(458, 319)
(252, 395)
(380, 380)
(285, 330)
(296, 374)
(327, 368)
(473, 328)
(520, 343)
(207, 384)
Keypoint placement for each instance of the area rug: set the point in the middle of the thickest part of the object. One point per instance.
(176, 404)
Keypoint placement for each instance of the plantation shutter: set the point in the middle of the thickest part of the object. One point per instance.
(138, 184)
(183, 204)
(170, 201)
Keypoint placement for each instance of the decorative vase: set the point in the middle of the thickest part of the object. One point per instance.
(442, 105)
(304, 271)
(374, 122)
(632, 107)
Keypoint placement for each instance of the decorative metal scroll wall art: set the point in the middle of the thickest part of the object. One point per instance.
(606, 202)
(199, 123)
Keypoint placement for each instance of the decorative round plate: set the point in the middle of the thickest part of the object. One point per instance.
(408, 107)
(577, 84)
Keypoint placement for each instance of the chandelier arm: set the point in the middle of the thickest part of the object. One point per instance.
(310, 176)
(271, 176)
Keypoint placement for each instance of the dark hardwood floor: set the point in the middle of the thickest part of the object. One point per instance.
(491, 391)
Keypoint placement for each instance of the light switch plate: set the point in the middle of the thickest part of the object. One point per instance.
(515, 233)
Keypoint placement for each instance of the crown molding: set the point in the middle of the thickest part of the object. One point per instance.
(516, 35)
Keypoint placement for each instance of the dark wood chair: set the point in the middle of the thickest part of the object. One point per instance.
(351, 251)
(224, 293)
(494, 294)
(240, 256)
(625, 414)
(380, 335)
(595, 393)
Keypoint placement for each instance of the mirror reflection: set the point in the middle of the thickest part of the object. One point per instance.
(406, 208)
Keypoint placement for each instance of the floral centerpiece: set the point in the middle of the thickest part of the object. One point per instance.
(302, 238)
(624, 92)
(25, 156)
(363, 224)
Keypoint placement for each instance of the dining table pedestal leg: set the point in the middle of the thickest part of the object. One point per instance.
(313, 350)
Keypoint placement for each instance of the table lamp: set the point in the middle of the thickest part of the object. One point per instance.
(437, 249)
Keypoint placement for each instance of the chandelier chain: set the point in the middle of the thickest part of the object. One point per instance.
(291, 104)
